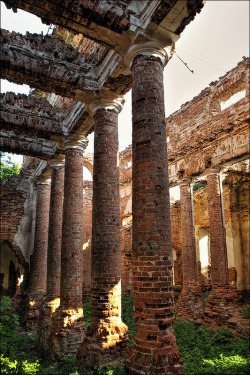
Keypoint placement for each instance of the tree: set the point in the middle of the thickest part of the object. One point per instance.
(7, 167)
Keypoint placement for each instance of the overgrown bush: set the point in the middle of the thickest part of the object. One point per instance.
(13, 359)
(128, 316)
(206, 353)
(246, 312)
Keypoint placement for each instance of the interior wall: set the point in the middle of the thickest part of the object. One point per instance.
(7, 256)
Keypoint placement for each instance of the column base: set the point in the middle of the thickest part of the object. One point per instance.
(67, 332)
(217, 311)
(103, 344)
(33, 303)
(190, 304)
(158, 358)
(45, 325)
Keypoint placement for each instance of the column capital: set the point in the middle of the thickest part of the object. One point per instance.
(215, 170)
(107, 100)
(43, 180)
(57, 162)
(77, 143)
(149, 48)
(185, 181)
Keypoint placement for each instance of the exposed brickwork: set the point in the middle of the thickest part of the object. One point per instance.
(107, 337)
(16, 208)
(236, 207)
(30, 114)
(81, 60)
(221, 297)
(20, 144)
(154, 349)
(87, 234)
(14, 191)
(111, 22)
(218, 249)
(175, 214)
(38, 262)
(112, 15)
(125, 169)
(60, 67)
(201, 131)
(55, 233)
(126, 258)
(188, 236)
(52, 299)
(189, 304)
(67, 322)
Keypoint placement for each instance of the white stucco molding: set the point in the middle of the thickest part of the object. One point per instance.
(43, 180)
(107, 100)
(57, 162)
(150, 48)
(79, 143)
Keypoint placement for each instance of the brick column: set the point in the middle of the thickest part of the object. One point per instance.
(107, 337)
(189, 305)
(38, 263)
(68, 323)
(218, 247)
(220, 298)
(154, 350)
(52, 300)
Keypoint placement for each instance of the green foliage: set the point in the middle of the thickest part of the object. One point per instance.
(8, 170)
(206, 353)
(118, 369)
(128, 316)
(13, 359)
(198, 186)
(87, 311)
(206, 293)
(15, 367)
(246, 312)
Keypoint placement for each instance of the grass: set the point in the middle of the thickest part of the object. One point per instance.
(204, 352)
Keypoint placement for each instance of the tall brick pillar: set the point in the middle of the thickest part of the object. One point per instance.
(67, 321)
(52, 300)
(221, 293)
(189, 305)
(218, 247)
(107, 337)
(38, 264)
(154, 350)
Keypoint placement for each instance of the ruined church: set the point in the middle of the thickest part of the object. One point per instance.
(64, 238)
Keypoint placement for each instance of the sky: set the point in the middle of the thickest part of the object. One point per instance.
(210, 45)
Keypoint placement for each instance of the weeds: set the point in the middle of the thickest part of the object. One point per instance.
(204, 352)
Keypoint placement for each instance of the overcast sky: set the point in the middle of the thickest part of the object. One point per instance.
(211, 45)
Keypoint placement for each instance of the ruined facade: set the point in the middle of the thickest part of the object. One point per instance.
(98, 51)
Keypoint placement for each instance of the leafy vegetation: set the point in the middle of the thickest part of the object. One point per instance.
(13, 359)
(7, 167)
(198, 186)
(246, 312)
(128, 316)
(8, 170)
(204, 352)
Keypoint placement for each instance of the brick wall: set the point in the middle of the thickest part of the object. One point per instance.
(87, 235)
(17, 211)
(201, 131)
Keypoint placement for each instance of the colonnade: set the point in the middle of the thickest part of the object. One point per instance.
(189, 304)
(61, 325)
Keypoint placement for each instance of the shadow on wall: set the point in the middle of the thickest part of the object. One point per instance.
(10, 274)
